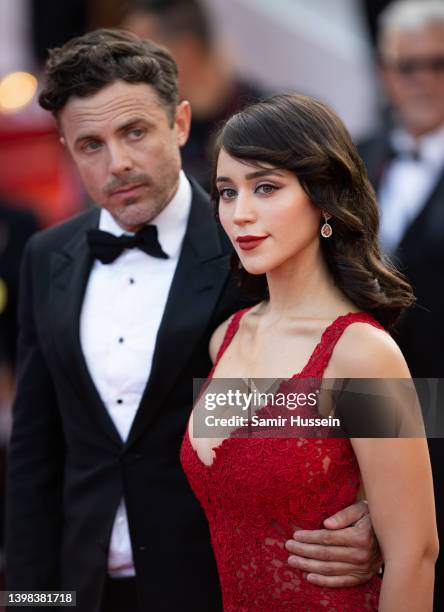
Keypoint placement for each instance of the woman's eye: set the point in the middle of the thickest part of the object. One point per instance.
(266, 188)
(227, 193)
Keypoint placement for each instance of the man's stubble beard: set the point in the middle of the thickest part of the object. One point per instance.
(139, 211)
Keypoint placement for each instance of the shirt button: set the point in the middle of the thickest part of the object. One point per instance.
(132, 281)
(120, 401)
(121, 340)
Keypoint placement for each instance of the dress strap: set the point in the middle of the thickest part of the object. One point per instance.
(230, 332)
(321, 355)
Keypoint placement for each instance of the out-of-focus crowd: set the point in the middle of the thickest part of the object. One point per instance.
(404, 155)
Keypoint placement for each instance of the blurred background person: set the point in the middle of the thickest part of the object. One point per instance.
(16, 226)
(207, 80)
(405, 161)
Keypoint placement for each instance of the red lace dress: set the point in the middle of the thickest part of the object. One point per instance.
(257, 491)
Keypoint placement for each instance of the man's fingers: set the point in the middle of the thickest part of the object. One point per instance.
(334, 581)
(348, 516)
(344, 554)
(325, 568)
(364, 523)
(323, 537)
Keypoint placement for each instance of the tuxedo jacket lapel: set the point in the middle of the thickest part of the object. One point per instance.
(200, 276)
(70, 269)
(377, 157)
(427, 229)
(428, 226)
(199, 279)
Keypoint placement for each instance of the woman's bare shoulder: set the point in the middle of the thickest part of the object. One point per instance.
(366, 351)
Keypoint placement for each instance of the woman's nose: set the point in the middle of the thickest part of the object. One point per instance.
(245, 211)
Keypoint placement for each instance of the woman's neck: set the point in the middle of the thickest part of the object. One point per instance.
(304, 288)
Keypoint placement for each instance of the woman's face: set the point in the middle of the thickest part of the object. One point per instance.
(266, 214)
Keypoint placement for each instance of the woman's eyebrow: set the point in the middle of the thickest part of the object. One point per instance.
(251, 175)
(264, 172)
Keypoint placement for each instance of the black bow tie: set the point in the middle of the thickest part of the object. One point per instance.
(106, 247)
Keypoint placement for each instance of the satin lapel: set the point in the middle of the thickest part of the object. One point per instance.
(197, 285)
(376, 158)
(70, 269)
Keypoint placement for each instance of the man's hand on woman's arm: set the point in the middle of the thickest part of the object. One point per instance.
(345, 553)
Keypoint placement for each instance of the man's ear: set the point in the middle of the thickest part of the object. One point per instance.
(182, 122)
(62, 139)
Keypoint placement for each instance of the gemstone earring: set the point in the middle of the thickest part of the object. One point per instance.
(326, 229)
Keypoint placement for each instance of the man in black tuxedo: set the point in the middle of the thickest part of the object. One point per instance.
(405, 162)
(116, 316)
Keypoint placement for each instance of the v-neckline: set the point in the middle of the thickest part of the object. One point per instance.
(314, 354)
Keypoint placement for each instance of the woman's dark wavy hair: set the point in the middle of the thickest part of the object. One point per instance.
(302, 135)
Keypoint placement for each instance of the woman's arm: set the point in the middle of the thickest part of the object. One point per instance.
(396, 474)
(397, 478)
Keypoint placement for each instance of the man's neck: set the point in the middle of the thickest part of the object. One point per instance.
(419, 135)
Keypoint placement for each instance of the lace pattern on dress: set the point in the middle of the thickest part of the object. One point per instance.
(258, 491)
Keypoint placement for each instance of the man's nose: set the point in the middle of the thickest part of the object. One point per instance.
(119, 159)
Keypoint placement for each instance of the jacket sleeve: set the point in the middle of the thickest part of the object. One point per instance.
(35, 458)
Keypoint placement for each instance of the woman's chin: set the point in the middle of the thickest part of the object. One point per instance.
(256, 270)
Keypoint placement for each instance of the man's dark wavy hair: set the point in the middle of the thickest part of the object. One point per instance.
(300, 134)
(88, 63)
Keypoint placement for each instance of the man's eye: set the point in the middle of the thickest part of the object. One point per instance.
(92, 145)
(266, 188)
(136, 133)
(227, 193)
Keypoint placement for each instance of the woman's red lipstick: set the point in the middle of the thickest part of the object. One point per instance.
(247, 243)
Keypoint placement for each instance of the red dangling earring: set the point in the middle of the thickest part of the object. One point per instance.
(326, 229)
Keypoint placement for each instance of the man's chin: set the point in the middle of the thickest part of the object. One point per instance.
(133, 218)
(419, 125)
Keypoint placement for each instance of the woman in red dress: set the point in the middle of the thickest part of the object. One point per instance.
(293, 197)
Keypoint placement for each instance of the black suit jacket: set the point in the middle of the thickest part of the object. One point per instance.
(16, 227)
(420, 332)
(420, 256)
(68, 468)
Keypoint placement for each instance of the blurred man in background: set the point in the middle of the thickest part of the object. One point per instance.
(405, 161)
(16, 227)
(406, 165)
(205, 78)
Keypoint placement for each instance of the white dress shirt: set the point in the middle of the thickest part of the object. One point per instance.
(408, 182)
(121, 314)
